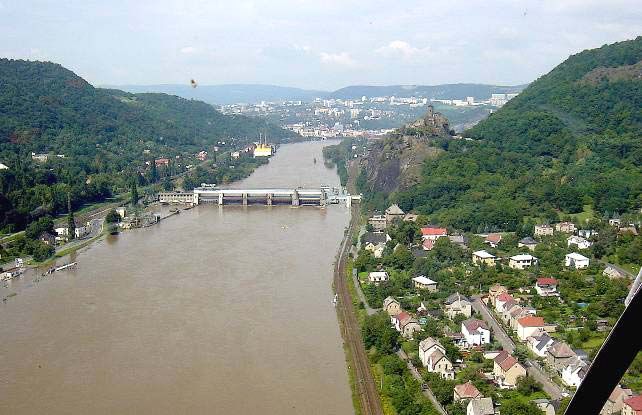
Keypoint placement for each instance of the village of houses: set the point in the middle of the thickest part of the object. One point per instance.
(562, 365)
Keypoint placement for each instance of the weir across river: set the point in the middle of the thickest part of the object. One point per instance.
(322, 196)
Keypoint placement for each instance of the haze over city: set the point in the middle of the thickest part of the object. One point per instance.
(316, 45)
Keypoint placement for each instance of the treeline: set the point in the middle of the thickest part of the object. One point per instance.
(108, 138)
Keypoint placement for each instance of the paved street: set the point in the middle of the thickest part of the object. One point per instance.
(533, 368)
(417, 376)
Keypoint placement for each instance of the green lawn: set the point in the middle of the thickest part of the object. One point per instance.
(585, 215)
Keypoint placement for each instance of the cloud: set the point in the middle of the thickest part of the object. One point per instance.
(400, 48)
(188, 50)
(340, 59)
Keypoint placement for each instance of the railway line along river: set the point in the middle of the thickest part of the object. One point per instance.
(218, 310)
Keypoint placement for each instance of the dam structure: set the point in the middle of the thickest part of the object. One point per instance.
(322, 196)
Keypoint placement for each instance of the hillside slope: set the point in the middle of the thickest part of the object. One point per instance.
(568, 140)
(105, 135)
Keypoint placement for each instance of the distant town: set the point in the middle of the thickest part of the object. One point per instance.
(364, 117)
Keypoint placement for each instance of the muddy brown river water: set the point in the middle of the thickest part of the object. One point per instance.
(214, 311)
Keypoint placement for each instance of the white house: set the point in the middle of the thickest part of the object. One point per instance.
(377, 277)
(481, 406)
(578, 241)
(546, 287)
(543, 230)
(475, 332)
(576, 261)
(425, 283)
(522, 261)
(539, 344)
(573, 374)
(529, 326)
(4, 166)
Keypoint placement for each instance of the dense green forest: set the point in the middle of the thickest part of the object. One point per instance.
(568, 142)
(106, 138)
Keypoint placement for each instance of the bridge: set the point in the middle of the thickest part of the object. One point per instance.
(322, 196)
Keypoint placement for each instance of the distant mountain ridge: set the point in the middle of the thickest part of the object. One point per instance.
(254, 93)
(229, 93)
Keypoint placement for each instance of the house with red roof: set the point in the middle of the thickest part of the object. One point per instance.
(433, 233)
(493, 239)
(501, 300)
(632, 406)
(546, 287)
(466, 391)
(507, 370)
(530, 326)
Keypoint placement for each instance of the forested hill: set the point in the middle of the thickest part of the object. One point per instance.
(106, 137)
(571, 141)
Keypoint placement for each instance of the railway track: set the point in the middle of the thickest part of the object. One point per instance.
(368, 395)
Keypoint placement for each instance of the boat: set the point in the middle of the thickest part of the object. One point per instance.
(69, 265)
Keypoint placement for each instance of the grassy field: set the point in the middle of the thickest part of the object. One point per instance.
(582, 217)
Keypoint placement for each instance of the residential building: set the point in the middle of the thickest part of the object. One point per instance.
(539, 344)
(559, 355)
(122, 211)
(427, 347)
(4, 166)
(528, 243)
(616, 400)
(543, 230)
(47, 238)
(493, 239)
(578, 241)
(575, 260)
(378, 277)
(433, 233)
(615, 222)
(465, 392)
(632, 406)
(405, 324)
(378, 222)
(161, 162)
(481, 406)
(483, 257)
(501, 300)
(425, 283)
(545, 406)
(376, 250)
(546, 287)
(460, 240)
(439, 363)
(587, 233)
(475, 332)
(494, 292)
(574, 372)
(457, 304)
(394, 212)
(529, 326)
(565, 227)
(392, 306)
(507, 370)
(614, 272)
(522, 261)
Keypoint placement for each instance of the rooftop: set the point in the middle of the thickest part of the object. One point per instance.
(424, 280)
(531, 321)
(483, 254)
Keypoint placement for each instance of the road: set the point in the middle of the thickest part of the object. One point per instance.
(428, 393)
(355, 280)
(533, 368)
(368, 395)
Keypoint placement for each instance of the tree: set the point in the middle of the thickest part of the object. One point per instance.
(44, 224)
(526, 385)
(376, 332)
(71, 221)
(41, 251)
(134, 193)
(516, 407)
(112, 216)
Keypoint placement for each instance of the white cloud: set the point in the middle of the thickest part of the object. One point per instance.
(341, 59)
(188, 50)
(401, 48)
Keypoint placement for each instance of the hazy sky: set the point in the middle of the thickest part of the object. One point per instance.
(323, 44)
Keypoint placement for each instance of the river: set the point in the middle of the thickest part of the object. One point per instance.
(218, 310)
